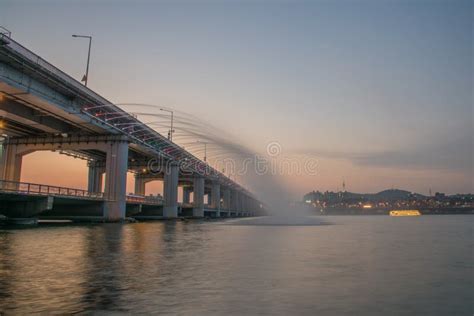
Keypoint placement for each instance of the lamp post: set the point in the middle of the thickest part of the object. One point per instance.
(205, 149)
(170, 133)
(86, 76)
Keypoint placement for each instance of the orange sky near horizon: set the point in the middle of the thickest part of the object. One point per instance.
(52, 168)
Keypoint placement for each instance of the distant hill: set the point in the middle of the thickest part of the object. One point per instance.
(393, 194)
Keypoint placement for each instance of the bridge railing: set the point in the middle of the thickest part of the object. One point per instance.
(144, 199)
(43, 189)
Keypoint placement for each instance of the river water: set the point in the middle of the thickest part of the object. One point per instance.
(341, 265)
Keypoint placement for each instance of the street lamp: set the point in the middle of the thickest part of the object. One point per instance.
(170, 133)
(205, 149)
(86, 76)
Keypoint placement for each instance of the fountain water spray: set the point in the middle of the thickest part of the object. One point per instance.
(223, 152)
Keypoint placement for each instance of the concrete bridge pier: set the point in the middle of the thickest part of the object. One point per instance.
(115, 148)
(251, 206)
(198, 207)
(240, 199)
(96, 170)
(170, 191)
(11, 162)
(187, 194)
(116, 180)
(216, 197)
(226, 201)
(235, 202)
(140, 183)
(244, 204)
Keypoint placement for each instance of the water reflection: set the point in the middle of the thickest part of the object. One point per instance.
(103, 269)
(355, 265)
(30, 255)
(6, 265)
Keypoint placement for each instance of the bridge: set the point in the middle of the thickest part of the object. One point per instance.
(44, 109)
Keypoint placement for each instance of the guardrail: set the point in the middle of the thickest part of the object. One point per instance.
(5, 31)
(144, 199)
(42, 189)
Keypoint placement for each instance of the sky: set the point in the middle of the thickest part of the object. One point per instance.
(380, 92)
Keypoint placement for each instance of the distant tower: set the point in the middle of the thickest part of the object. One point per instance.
(430, 191)
(343, 186)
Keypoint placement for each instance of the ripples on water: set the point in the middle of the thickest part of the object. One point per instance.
(320, 265)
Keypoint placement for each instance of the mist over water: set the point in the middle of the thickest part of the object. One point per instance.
(224, 152)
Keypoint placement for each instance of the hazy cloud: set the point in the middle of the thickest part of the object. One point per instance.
(456, 155)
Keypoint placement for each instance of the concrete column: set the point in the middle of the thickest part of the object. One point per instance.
(10, 163)
(233, 201)
(252, 206)
(198, 207)
(116, 180)
(186, 195)
(240, 201)
(98, 179)
(243, 200)
(238, 206)
(216, 197)
(226, 198)
(95, 178)
(139, 185)
(2, 156)
(170, 191)
(243, 204)
(91, 178)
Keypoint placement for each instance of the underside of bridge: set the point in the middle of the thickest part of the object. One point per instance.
(44, 109)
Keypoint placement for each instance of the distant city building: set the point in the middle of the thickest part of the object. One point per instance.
(388, 199)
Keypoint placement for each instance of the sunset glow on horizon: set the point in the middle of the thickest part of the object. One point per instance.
(379, 93)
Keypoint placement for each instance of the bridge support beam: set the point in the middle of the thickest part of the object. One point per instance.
(142, 178)
(226, 199)
(186, 194)
(170, 191)
(216, 197)
(240, 204)
(10, 163)
(198, 207)
(251, 206)
(243, 204)
(139, 185)
(234, 206)
(116, 181)
(94, 183)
